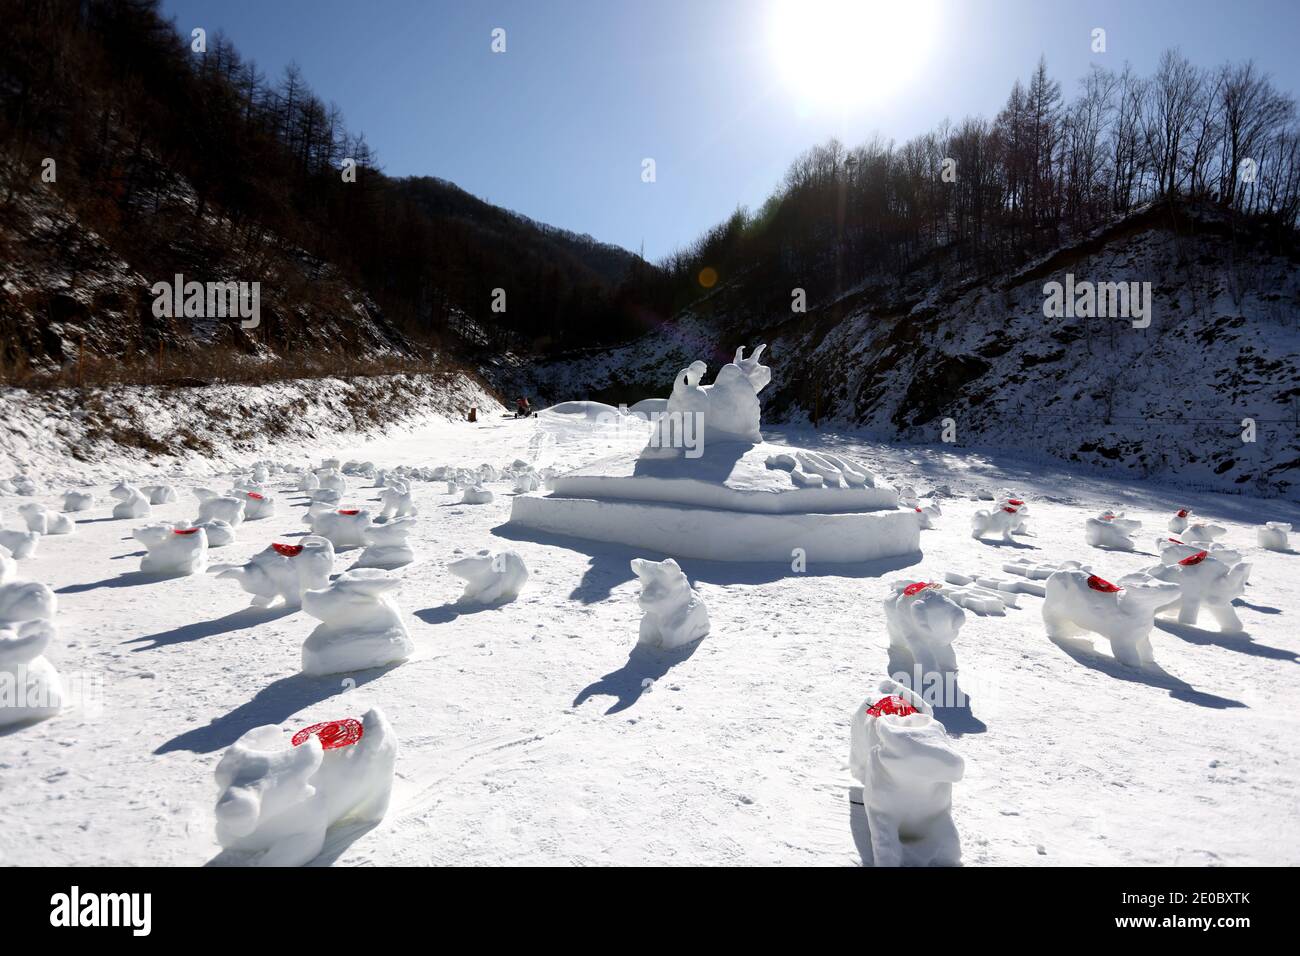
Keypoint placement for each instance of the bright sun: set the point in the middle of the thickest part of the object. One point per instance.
(846, 53)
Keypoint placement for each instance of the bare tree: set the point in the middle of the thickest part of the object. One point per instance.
(1252, 110)
(1173, 95)
(1125, 128)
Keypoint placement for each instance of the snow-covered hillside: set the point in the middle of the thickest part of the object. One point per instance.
(537, 731)
(68, 436)
(1166, 402)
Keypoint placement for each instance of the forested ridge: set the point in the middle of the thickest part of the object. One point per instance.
(989, 195)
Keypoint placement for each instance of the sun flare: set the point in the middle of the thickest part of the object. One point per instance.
(846, 53)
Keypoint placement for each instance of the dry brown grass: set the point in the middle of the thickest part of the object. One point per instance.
(217, 365)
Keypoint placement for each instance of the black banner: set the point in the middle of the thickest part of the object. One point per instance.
(259, 907)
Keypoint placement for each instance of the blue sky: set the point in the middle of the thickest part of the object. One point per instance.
(558, 125)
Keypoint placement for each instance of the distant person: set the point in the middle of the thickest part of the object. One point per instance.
(522, 408)
(473, 413)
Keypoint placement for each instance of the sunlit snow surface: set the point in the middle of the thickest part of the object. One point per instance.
(536, 731)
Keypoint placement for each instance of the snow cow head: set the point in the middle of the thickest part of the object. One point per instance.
(264, 785)
(921, 609)
(664, 586)
(359, 599)
(21, 643)
(914, 749)
(27, 601)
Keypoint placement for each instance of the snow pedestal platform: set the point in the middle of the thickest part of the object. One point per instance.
(737, 501)
(707, 486)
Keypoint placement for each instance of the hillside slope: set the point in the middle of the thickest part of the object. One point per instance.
(896, 359)
(68, 436)
(69, 296)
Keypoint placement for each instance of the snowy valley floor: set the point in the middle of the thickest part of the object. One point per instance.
(527, 735)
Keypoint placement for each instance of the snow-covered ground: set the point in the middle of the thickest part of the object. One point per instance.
(535, 732)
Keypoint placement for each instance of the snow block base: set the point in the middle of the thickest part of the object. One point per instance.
(734, 501)
(716, 535)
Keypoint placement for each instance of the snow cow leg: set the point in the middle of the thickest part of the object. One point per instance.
(1226, 616)
(1132, 649)
(1189, 609)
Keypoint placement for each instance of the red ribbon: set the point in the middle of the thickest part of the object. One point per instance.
(1102, 585)
(890, 705)
(333, 734)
